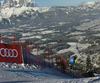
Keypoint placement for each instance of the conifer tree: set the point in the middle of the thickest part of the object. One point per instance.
(89, 66)
(99, 64)
(99, 61)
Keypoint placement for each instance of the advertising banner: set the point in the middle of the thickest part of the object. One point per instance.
(10, 53)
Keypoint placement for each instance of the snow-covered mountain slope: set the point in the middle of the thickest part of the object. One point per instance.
(45, 15)
(93, 4)
(8, 12)
(21, 73)
(17, 3)
(88, 3)
(15, 7)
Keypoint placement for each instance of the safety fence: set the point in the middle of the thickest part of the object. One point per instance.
(40, 55)
(24, 45)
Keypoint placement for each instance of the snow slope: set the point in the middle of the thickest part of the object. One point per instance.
(8, 12)
(73, 46)
(90, 3)
(23, 73)
(17, 7)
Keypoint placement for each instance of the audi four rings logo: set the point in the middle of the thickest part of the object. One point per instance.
(5, 52)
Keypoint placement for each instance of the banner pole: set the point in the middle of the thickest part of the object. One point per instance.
(52, 58)
(56, 61)
(26, 50)
(14, 39)
(48, 55)
(0, 38)
(37, 54)
(29, 53)
(22, 55)
(18, 40)
(44, 55)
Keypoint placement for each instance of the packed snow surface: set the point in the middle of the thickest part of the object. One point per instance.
(24, 73)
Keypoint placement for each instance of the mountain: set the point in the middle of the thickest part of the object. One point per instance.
(93, 4)
(14, 7)
(17, 3)
(88, 3)
(79, 24)
(19, 14)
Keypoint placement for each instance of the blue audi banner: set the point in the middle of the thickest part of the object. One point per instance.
(10, 53)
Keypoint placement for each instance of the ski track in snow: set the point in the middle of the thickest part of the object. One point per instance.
(37, 74)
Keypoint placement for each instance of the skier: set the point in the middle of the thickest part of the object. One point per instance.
(72, 61)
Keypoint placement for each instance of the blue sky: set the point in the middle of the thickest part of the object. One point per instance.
(49, 3)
